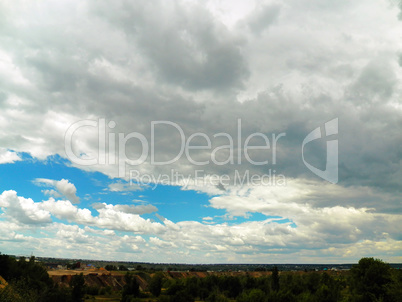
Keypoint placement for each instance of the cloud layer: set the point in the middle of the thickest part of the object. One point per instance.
(329, 233)
(279, 67)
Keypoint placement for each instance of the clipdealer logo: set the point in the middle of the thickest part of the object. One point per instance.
(112, 153)
(328, 132)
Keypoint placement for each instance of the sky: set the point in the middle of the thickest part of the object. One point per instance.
(201, 131)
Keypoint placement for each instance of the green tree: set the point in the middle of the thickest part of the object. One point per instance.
(193, 286)
(254, 295)
(370, 279)
(249, 282)
(231, 286)
(275, 279)
(110, 267)
(182, 296)
(155, 285)
(9, 294)
(313, 281)
(78, 287)
(131, 290)
(139, 267)
(123, 268)
(216, 297)
(394, 290)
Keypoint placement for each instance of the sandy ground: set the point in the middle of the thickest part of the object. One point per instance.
(61, 272)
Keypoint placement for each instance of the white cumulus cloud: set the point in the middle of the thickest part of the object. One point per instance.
(8, 157)
(63, 187)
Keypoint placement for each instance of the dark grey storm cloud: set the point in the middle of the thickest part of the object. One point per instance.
(153, 61)
(182, 43)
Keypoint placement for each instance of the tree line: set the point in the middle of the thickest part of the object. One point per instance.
(369, 280)
(28, 281)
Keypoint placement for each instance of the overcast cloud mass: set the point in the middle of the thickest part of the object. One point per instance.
(275, 67)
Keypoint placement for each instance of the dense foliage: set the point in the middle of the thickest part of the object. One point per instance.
(369, 280)
(131, 290)
(28, 281)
